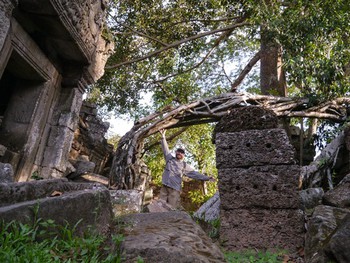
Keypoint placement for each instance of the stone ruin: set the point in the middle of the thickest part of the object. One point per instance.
(90, 154)
(50, 51)
(258, 183)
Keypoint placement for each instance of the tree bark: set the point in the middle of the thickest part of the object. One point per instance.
(272, 76)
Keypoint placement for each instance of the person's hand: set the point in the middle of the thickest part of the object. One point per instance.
(211, 179)
(162, 132)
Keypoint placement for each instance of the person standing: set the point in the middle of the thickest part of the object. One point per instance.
(175, 168)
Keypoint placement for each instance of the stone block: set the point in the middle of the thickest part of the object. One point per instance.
(167, 237)
(247, 118)
(267, 186)
(11, 193)
(85, 209)
(60, 137)
(253, 147)
(55, 158)
(68, 119)
(262, 229)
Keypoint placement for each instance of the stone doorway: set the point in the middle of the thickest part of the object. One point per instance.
(20, 89)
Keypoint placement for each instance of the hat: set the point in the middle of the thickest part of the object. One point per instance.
(180, 150)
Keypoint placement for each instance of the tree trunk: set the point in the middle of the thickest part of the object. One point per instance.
(272, 76)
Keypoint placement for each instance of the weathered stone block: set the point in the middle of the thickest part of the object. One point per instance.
(247, 118)
(253, 147)
(167, 237)
(60, 137)
(68, 119)
(91, 208)
(262, 229)
(267, 186)
(11, 193)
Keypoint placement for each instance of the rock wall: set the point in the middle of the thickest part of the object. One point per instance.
(258, 182)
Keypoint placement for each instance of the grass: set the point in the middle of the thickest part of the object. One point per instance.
(37, 243)
(251, 256)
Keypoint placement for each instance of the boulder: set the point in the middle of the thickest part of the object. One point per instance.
(321, 226)
(311, 197)
(340, 195)
(339, 244)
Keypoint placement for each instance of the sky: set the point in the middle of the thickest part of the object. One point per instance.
(119, 126)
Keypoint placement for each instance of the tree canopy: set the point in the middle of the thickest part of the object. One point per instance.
(184, 50)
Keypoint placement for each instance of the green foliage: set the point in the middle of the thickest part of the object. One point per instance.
(114, 140)
(37, 243)
(314, 36)
(215, 228)
(251, 256)
(36, 176)
(326, 132)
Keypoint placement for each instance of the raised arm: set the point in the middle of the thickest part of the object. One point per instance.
(164, 144)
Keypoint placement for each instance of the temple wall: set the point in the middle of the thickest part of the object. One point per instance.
(50, 51)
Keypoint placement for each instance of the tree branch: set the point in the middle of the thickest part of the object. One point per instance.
(245, 71)
(128, 155)
(176, 44)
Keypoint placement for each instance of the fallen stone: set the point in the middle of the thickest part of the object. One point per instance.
(157, 206)
(92, 178)
(86, 210)
(340, 195)
(311, 197)
(171, 237)
(339, 244)
(11, 193)
(321, 227)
